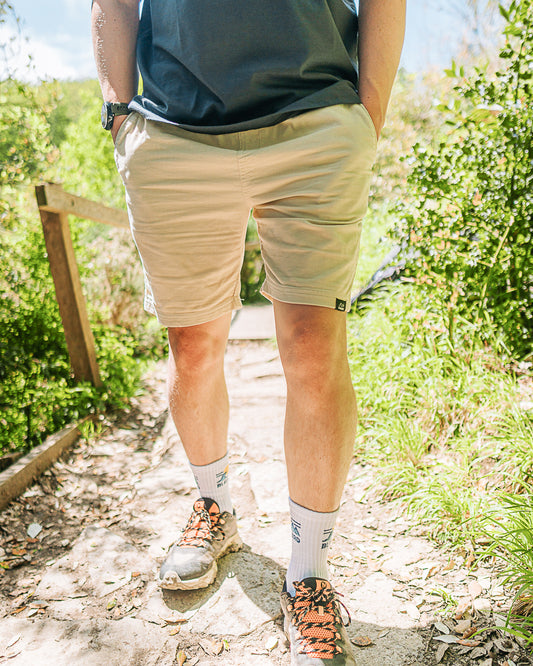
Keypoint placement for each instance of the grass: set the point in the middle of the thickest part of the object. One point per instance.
(375, 243)
(509, 529)
(430, 413)
(447, 425)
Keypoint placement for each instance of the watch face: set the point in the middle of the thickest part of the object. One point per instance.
(107, 116)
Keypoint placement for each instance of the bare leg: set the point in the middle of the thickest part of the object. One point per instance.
(321, 415)
(198, 401)
(197, 394)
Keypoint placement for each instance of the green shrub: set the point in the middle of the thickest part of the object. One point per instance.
(253, 270)
(86, 166)
(32, 347)
(467, 219)
(38, 394)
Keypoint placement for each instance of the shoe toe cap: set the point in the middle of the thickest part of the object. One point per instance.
(185, 563)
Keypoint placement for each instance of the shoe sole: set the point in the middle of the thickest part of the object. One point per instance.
(171, 580)
(286, 626)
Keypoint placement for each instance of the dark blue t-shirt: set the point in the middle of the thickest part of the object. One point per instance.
(220, 66)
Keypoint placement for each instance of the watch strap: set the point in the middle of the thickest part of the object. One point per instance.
(119, 109)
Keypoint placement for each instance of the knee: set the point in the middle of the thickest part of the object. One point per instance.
(311, 355)
(195, 349)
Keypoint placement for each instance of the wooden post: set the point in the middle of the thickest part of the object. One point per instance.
(78, 334)
(54, 207)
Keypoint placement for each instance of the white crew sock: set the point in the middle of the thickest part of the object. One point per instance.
(212, 481)
(311, 536)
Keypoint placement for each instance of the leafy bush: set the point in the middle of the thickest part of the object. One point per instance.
(32, 346)
(24, 145)
(412, 114)
(87, 166)
(467, 219)
(253, 270)
(38, 394)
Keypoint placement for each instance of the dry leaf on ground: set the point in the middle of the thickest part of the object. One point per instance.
(469, 632)
(440, 626)
(462, 626)
(441, 651)
(33, 530)
(362, 641)
(14, 640)
(271, 643)
(173, 619)
(474, 589)
(462, 607)
(446, 638)
(466, 643)
(18, 610)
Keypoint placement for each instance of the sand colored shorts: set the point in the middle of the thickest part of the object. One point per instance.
(189, 197)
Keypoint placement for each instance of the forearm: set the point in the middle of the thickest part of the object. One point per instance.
(114, 29)
(381, 34)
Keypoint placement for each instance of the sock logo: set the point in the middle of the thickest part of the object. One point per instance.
(222, 477)
(295, 529)
(326, 537)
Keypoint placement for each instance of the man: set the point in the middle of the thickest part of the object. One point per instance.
(271, 107)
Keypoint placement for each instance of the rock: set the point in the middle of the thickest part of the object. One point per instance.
(482, 605)
(97, 556)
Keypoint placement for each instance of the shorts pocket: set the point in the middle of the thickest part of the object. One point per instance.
(123, 129)
(369, 122)
(123, 148)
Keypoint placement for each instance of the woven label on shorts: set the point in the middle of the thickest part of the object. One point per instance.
(340, 305)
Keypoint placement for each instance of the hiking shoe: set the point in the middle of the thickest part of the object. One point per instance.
(192, 561)
(314, 626)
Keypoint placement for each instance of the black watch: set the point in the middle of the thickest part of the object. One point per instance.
(110, 110)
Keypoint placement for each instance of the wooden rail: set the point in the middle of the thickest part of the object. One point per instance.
(52, 198)
(55, 205)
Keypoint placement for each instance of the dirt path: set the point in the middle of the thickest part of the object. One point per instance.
(82, 590)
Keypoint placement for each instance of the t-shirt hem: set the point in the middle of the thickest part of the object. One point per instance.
(346, 95)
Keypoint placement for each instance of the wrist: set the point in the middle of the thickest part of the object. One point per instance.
(111, 110)
(117, 122)
(375, 106)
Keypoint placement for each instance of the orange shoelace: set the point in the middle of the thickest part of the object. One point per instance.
(317, 612)
(202, 526)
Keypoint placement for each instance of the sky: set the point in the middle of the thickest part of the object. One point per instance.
(57, 36)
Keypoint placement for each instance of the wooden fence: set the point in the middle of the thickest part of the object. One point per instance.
(55, 205)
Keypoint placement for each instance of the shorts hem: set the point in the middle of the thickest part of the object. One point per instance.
(296, 296)
(195, 318)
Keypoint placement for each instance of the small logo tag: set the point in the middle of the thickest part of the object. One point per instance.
(222, 477)
(326, 537)
(295, 528)
(340, 305)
